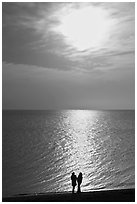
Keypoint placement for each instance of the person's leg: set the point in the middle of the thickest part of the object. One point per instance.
(78, 188)
(73, 189)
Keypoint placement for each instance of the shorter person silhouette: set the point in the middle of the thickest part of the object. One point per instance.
(73, 179)
(79, 180)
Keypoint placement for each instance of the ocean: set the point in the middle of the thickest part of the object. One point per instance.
(41, 149)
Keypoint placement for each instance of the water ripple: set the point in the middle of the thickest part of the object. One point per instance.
(42, 149)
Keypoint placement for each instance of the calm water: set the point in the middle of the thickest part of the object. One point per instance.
(42, 148)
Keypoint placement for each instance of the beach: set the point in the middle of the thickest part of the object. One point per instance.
(122, 195)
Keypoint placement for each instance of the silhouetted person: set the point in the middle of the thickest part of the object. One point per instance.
(79, 180)
(73, 179)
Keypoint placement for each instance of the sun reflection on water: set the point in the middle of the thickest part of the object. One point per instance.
(81, 148)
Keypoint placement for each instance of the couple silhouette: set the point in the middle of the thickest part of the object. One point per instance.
(76, 180)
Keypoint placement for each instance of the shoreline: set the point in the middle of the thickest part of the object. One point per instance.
(121, 195)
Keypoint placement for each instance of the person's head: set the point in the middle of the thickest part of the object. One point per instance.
(73, 173)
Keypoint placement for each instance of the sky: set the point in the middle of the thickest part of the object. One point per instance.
(68, 55)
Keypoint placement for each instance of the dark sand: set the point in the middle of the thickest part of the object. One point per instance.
(124, 195)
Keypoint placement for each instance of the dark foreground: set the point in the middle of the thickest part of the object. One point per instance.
(124, 195)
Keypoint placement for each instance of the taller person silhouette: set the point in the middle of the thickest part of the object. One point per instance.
(79, 180)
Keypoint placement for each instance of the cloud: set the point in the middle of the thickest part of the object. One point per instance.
(42, 70)
(39, 22)
(43, 17)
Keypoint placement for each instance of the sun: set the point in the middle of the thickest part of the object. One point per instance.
(86, 28)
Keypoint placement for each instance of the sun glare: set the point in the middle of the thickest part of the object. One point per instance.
(86, 28)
